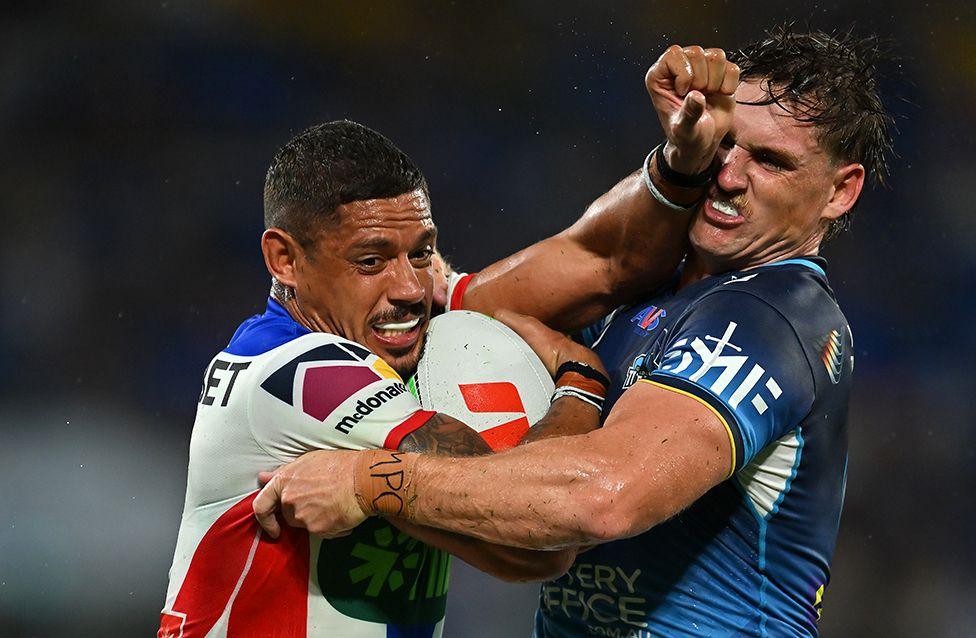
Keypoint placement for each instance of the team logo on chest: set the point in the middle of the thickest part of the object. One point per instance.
(648, 319)
(634, 371)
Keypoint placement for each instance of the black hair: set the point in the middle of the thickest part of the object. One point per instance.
(831, 81)
(326, 166)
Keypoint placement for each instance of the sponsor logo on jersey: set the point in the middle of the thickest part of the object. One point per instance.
(380, 574)
(648, 319)
(365, 407)
(606, 597)
(832, 355)
(683, 357)
(323, 378)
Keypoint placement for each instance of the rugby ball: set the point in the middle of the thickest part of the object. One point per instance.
(479, 371)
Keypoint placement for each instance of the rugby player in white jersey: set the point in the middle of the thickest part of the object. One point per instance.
(349, 243)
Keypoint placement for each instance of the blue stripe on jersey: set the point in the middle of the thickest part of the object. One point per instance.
(265, 332)
(798, 262)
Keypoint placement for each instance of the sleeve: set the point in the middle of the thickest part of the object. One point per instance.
(742, 358)
(457, 283)
(324, 392)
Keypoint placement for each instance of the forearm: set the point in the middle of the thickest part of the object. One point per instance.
(511, 564)
(446, 437)
(564, 418)
(626, 243)
(657, 453)
(550, 494)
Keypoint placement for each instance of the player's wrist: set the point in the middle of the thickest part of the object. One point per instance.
(383, 483)
(581, 381)
(684, 169)
(678, 191)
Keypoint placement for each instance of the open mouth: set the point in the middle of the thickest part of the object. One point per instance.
(400, 334)
(722, 213)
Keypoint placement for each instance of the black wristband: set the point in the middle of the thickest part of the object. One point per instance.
(584, 370)
(681, 180)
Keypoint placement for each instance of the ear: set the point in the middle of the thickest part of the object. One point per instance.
(847, 185)
(281, 253)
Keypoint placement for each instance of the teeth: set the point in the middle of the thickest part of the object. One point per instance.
(725, 208)
(395, 329)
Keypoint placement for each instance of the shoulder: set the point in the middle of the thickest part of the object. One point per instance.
(792, 287)
(323, 361)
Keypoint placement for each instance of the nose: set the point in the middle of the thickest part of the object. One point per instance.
(731, 175)
(405, 287)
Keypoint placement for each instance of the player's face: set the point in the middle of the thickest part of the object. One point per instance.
(370, 279)
(772, 197)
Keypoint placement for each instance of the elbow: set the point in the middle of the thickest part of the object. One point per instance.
(537, 566)
(614, 510)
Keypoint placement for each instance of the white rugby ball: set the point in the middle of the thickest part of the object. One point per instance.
(479, 371)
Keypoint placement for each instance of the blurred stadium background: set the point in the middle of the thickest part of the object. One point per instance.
(135, 140)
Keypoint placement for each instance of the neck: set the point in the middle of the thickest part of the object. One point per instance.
(698, 267)
(291, 305)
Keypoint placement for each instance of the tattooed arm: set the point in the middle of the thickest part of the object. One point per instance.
(445, 436)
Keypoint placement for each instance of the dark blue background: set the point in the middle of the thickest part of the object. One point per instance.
(135, 137)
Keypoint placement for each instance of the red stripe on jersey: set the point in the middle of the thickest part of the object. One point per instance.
(274, 598)
(458, 294)
(396, 435)
(233, 550)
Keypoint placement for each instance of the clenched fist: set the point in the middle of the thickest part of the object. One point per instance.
(693, 92)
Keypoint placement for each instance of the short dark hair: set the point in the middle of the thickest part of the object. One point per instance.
(326, 166)
(831, 81)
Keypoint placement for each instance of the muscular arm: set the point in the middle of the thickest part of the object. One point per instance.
(657, 453)
(626, 243)
(446, 436)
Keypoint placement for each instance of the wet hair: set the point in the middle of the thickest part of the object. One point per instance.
(831, 81)
(326, 166)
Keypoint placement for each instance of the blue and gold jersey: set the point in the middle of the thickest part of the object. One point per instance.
(769, 351)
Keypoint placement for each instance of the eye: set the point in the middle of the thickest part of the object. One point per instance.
(771, 161)
(421, 258)
(369, 264)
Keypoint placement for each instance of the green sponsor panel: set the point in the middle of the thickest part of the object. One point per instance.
(380, 574)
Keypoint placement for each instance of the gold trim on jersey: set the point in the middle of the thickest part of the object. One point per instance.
(728, 429)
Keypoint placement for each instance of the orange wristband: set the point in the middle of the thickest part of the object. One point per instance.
(383, 482)
(578, 381)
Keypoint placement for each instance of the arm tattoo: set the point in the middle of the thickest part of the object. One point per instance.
(566, 417)
(445, 436)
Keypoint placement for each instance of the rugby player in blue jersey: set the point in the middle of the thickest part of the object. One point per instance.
(714, 488)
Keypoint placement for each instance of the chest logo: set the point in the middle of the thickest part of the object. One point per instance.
(634, 371)
(648, 319)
